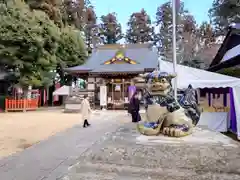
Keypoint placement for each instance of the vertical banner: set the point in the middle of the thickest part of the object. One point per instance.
(131, 90)
(103, 95)
(236, 97)
(209, 99)
(233, 120)
(56, 97)
(44, 96)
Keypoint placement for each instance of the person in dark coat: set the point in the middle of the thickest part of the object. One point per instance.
(134, 107)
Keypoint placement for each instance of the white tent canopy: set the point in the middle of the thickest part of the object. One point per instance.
(204, 79)
(62, 91)
(199, 78)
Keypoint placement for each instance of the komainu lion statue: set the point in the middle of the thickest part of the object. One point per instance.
(164, 114)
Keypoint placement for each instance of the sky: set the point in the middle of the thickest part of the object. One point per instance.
(124, 8)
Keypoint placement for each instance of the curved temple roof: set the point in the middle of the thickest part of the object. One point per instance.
(136, 58)
(229, 53)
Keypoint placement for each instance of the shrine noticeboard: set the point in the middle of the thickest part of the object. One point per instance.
(103, 95)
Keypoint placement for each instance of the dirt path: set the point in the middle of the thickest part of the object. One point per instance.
(21, 130)
(51, 159)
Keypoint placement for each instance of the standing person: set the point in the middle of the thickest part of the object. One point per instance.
(134, 107)
(85, 110)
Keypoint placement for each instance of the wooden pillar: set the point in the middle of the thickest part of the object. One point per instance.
(209, 99)
(123, 89)
(226, 90)
(112, 94)
(95, 91)
(123, 80)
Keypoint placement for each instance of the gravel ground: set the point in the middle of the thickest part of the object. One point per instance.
(118, 156)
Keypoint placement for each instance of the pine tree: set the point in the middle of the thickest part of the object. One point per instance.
(184, 30)
(110, 29)
(206, 37)
(44, 46)
(223, 13)
(51, 7)
(36, 35)
(63, 12)
(140, 29)
(206, 33)
(74, 12)
(189, 41)
(91, 29)
(163, 38)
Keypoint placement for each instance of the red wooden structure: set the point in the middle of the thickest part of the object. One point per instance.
(21, 104)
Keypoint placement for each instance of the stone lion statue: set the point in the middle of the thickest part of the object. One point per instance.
(164, 114)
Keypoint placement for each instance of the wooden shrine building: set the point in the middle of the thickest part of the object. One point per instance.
(115, 66)
(228, 54)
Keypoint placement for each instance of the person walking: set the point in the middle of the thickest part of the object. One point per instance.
(85, 111)
(134, 107)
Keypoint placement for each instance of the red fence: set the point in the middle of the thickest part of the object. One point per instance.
(21, 104)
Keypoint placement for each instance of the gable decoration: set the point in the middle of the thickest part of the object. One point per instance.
(120, 58)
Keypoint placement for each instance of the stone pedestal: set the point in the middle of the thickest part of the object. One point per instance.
(73, 105)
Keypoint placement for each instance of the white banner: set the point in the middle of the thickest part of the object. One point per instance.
(103, 95)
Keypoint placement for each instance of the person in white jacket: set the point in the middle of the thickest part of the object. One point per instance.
(85, 111)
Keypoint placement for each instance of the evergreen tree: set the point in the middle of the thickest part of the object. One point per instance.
(74, 12)
(163, 38)
(63, 12)
(51, 7)
(71, 52)
(140, 28)
(32, 46)
(91, 29)
(28, 42)
(185, 31)
(190, 41)
(206, 33)
(223, 13)
(207, 48)
(110, 29)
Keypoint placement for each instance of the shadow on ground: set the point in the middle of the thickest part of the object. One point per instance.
(118, 156)
(231, 135)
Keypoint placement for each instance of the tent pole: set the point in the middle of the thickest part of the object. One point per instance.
(174, 45)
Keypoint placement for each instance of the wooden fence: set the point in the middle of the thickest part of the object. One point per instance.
(20, 104)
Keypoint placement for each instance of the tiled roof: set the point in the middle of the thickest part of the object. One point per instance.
(228, 54)
(141, 53)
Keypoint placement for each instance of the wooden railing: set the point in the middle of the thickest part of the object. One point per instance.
(20, 104)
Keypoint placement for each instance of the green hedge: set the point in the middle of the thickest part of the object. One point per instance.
(235, 72)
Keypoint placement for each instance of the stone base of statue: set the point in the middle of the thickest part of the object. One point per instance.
(73, 105)
(199, 136)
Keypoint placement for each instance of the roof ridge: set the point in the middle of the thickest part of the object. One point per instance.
(124, 46)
